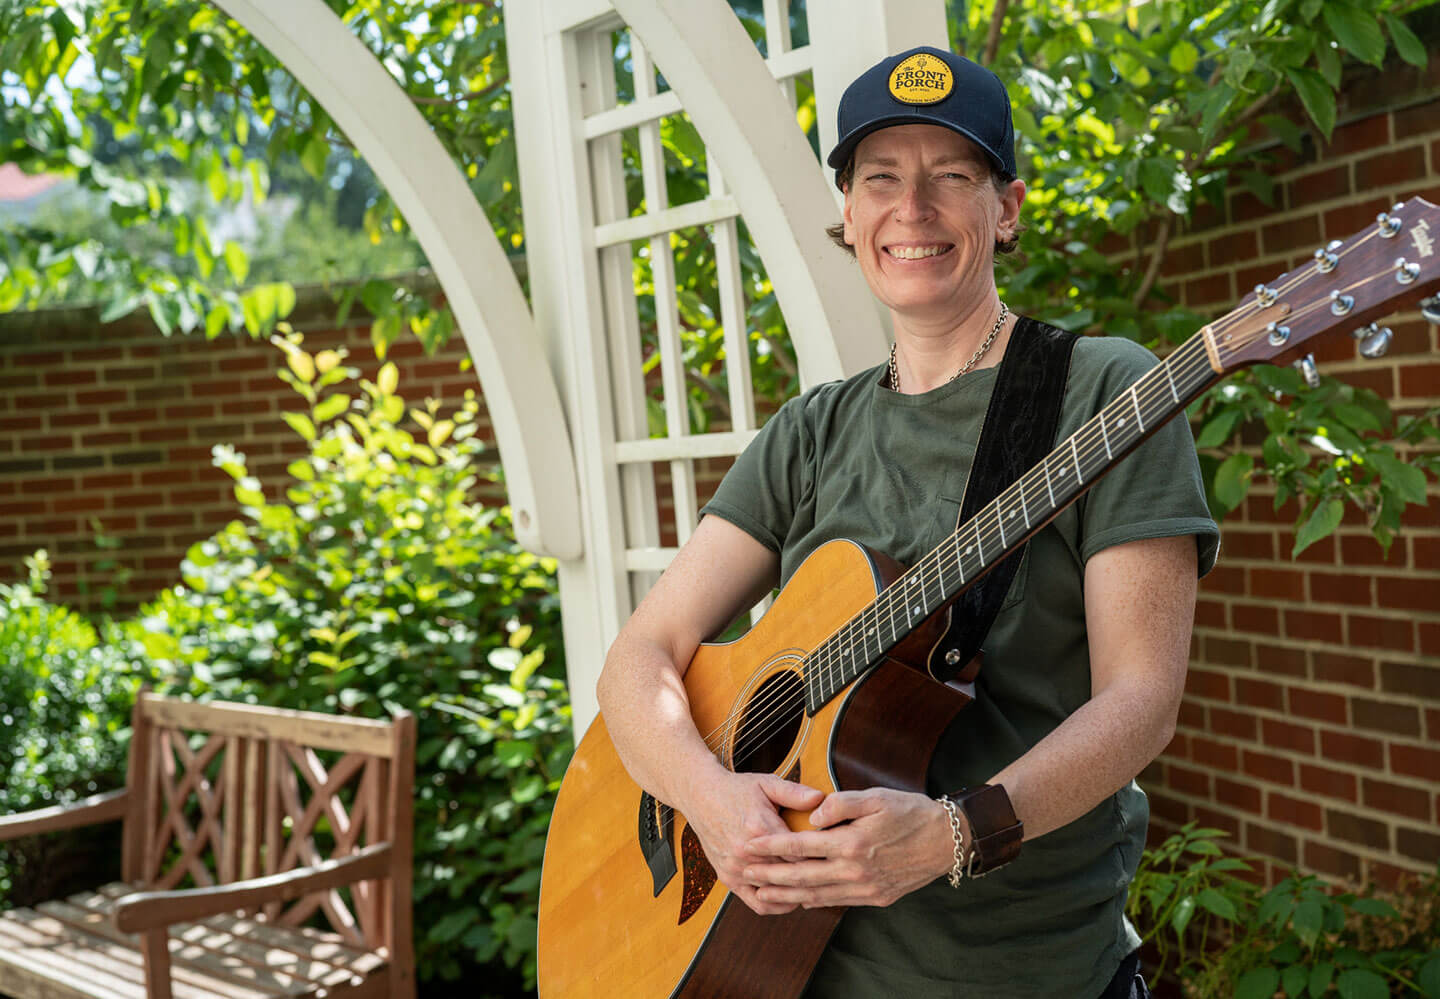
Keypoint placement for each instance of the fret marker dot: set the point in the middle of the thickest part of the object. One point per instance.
(1013, 513)
(969, 550)
(915, 611)
(1120, 421)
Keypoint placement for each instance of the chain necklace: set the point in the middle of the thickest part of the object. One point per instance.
(979, 353)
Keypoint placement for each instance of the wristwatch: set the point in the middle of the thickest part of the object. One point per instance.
(995, 832)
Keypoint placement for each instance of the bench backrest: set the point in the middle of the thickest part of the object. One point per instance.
(223, 792)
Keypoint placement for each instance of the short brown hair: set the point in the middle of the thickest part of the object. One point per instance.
(846, 174)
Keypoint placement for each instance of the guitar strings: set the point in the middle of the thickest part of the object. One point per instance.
(772, 711)
(769, 713)
(776, 708)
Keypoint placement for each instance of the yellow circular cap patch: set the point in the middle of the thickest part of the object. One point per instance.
(921, 79)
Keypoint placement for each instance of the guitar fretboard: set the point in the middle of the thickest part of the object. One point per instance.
(1007, 521)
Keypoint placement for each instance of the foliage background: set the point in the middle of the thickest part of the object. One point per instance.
(184, 136)
(1130, 117)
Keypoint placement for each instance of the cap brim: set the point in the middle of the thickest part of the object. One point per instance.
(845, 148)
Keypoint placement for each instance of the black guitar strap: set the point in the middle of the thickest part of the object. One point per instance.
(1019, 430)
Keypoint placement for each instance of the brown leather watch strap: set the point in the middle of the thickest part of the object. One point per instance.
(995, 832)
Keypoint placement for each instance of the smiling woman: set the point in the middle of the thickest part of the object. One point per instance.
(923, 224)
(1084, 657)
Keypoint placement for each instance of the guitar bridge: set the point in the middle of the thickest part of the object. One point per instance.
(657, 832)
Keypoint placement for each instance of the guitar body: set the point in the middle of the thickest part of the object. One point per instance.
(605, 929)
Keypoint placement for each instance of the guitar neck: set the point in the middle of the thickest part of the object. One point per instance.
(1005, 523)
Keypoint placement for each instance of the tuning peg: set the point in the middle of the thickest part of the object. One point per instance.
(1430, 309)
(1374, 340)
(1325, 258)
(1306, 367)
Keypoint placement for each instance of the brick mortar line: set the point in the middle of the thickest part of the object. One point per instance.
(1293, 756)
(1312, 645)
(1321, 836)
(1249, 562)
(1345, 766)
(1389, 655)
(1333, 606)
(1388, 614)
(1357, 850)
(1326, 687)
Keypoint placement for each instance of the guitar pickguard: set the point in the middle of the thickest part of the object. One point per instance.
(699, 875)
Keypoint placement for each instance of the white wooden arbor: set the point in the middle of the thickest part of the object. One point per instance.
(565, 387)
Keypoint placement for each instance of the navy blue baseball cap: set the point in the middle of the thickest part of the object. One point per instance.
(928, 86)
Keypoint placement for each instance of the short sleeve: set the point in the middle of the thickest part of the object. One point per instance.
(770, 479)
(1155, 492)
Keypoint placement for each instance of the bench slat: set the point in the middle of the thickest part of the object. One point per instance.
(75, 957)
(310, 728)
(303, 941)
(211, 952)
(18, 978)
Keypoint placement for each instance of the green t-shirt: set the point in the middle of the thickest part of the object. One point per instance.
(855, 460)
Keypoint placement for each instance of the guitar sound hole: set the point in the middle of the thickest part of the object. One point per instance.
(769, 724)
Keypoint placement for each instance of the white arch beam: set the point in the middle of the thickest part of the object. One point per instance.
(747, 124)
(479, 284)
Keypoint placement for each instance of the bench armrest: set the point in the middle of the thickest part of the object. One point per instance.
(150, 910)
(89, 811)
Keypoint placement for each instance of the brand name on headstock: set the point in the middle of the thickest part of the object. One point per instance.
(1420, 235)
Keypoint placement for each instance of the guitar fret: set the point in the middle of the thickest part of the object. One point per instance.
(863, 641)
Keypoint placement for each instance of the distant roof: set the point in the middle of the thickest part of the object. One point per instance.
(17, 185)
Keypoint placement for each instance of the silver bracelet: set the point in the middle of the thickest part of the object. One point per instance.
(958, 870)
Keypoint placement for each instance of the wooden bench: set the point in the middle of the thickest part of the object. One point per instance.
(229, 813)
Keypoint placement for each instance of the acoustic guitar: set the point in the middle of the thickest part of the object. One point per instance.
(832, 687)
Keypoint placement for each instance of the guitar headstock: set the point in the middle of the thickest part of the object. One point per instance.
(1349, 283)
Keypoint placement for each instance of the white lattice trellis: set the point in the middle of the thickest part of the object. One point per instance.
(582, 233)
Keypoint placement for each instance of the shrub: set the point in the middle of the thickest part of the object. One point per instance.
(376, 584)
(65, 699)
(1308, 940)
(1301, 938)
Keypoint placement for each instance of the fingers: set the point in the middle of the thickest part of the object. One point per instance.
(791, 845)
(844, 806)
(823, 896)
(788, 794)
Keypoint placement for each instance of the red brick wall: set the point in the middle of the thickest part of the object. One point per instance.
(1311, 724)
(114, 424)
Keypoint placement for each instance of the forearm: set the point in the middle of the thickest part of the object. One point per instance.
(1094, 753)
(646, 710)
(1139, 604)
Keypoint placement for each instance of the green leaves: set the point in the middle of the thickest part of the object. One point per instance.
(1356, 29)
(1407, 44)
(1315, 93)
(1257, 983)
(379, 581)
(1167, 182)
(1232, 479)
(1361, 983)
